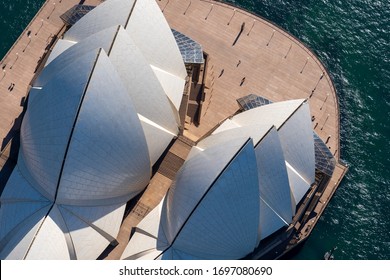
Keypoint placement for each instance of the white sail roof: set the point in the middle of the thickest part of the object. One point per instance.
(157, 115)
(220, 178)
(256, 131)
(296, 136)
(224, 222)
(209, 213)
(274, 187)
(22, 208)
(97, 166)
(157, 41)
(148, 241)
(173, 86)
(71, 165)
(103, 39)
(101, 113)
(54, 232)
(145, 89)
(273, 114)
(77, 168)
(16, 244)
(146, 92)
(270, 220)
(61, 46)
(107, 14)
(40, 230)
(292, 121)
(273, 179)
(147, 27)
(192, 182)
(298, 184)
(48, 122)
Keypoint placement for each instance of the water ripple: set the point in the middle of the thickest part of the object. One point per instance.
(352, 40)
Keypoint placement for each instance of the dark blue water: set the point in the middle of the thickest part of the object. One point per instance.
(352, 39)
(14, 17)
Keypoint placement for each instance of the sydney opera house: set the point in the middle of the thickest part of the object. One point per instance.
(101, 114)
(237, 187)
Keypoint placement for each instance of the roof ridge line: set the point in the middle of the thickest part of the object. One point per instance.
(114, 40)
(74, 123)
(273, 210)
(68, 236)
(10, 234)
(292, 114)
(131, 12)
(102, 232)
(205, 194)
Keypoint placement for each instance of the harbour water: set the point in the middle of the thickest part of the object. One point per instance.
(352, 39)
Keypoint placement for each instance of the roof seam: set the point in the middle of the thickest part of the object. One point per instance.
(10, 234)
(289, 117)
(113, 40)
(265, 134)
(205, 194)
(296, 172)
(68, 238)
(74, 124)
(103, 233)
(36, 233)
(131, 12)
(273, 210)
(41, 191)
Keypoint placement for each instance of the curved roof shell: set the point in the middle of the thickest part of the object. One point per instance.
(149, 30)
(75, 146)
(98, 118)
(293, 123)
(233, 191)
(212, 213)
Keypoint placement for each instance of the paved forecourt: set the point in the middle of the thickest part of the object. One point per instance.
(272, 63)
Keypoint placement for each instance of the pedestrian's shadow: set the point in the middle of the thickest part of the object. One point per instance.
(10, 148)
(14, 129)
(11, 151)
